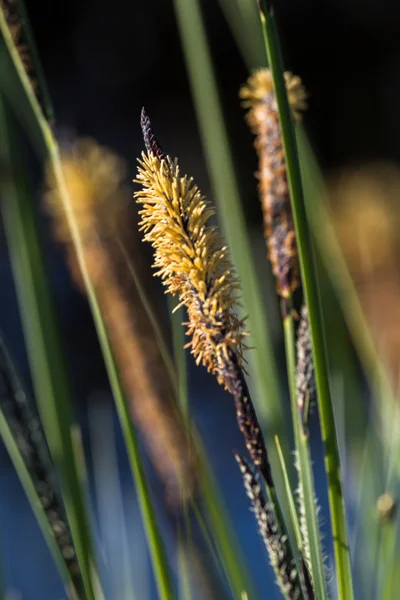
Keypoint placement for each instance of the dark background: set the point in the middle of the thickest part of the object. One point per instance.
(103, 62)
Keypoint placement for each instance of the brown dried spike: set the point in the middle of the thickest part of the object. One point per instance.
(263, 118)
(305, 382)
(276, 544)
(248, 423)
(28, 435)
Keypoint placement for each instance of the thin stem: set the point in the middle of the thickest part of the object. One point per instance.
(41, 334)
(219, 160)
(328, 429)
(43, 137)
(306, 478)
(38, 69)
(165, 354)
(156, 546)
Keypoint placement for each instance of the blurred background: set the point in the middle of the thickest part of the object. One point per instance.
(103, 62)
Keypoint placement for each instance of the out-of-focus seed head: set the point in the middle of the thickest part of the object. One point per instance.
(262, 115)
(260, 85)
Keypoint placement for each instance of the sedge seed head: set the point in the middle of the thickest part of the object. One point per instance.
(94, 178)
(260, 86)
(191, 260)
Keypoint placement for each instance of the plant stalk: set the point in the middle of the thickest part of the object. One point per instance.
(310, 284)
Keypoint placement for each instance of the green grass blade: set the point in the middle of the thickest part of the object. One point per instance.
(37, 65)
(154, 539)
(178, 342)
(31, 458)
(244, 23)
(29, 488)
(223, 534)
(17, 88)
(288, 491)
(306, 478)
(220, 165)
(40, 329)
(164, 351)
(31, 115)
(185, 591)
(109, 499)
(310, 284)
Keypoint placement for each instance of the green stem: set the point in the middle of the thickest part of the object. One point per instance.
(223, 178)
(41, 334)
(37, 65)
(310, 284)
(306, 478)
(42, 136)
(156, 546)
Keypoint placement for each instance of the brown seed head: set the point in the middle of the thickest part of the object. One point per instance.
(94, 176)
(386, 507)
(259, 98)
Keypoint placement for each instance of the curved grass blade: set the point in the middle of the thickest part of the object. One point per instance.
(29, 488)
(310, 537)
(45, 354)
(220, 165)
(26, 445)
(328, 429)
(154, 539)
(17, 88)
(243, 20)
(42, 137)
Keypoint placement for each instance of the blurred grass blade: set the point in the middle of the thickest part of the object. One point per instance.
(41, 334)
(164, 351)
(178, 340)
(185, 591)
(34, 56)
(31, 115)
(220, 165)
(336, 268)
(310, 284)
(154, 539)
(222, 531)
(17, 88)
(109, 499)
(244, 22)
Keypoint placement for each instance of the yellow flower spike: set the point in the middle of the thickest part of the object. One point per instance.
(208, 287)
(183, 242)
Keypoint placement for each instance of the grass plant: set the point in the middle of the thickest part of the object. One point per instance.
(323, 327)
